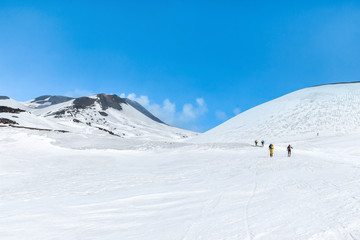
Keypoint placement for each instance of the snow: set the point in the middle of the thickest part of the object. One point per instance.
(13, 104)
(325, 110)
(33, 104)
(87, 184)
(127, 123)
(51, 190)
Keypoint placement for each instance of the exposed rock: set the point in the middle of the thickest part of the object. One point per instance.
(108, 131)
(7, 121)
(103, 114)
(58, 113)
(112, 101)
(4, 97)
(4, 109)
(40, 129)
(83, 102)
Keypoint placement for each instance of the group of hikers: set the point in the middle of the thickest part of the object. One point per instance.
(271, 148)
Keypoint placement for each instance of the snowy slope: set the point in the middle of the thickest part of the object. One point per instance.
(98, 114)
(326, 110)
(88, 184)
(9, 102)
(24, 117)
(177, 192)
(46, 100)
(113, 114)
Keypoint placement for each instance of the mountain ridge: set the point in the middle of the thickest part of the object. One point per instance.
(108, 114)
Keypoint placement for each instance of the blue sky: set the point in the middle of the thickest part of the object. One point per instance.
(194, 64)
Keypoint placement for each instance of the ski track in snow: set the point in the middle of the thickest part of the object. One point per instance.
(250, 236)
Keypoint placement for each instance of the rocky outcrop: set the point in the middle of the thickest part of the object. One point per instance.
(107, 101)
(37, 129)
(4, 109)
(7, 121)
(79, 104)
(83, 102)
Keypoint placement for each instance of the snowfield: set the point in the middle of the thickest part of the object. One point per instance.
(120, 173)
(53, 188)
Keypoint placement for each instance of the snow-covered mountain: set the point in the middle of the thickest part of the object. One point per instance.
(83, 185)
(325, 110)
(47, 100)
(98, 114)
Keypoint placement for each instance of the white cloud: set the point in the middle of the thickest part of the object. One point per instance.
(220, 115)
(167, 110)
(169, 106)
(191, 112)
(237, 111)
(188, 112)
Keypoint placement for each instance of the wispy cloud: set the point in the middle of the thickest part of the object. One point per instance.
(236, 111)
(168, 112)
(223, 116)
(220, 115)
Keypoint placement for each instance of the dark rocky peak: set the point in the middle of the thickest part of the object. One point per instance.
(105, 101)
(112, 101)
(83, 102)
(4, 97)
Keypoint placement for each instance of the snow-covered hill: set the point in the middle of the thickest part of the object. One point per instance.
(98, 114)
(88, 184)
(326, 110)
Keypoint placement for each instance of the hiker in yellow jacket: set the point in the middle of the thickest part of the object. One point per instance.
(271, 148)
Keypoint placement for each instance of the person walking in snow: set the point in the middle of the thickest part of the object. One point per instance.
(289, 150)
(262, 143)
(271, 148)
(256, 142)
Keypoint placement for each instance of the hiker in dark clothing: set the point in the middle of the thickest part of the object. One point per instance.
(289, 150)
